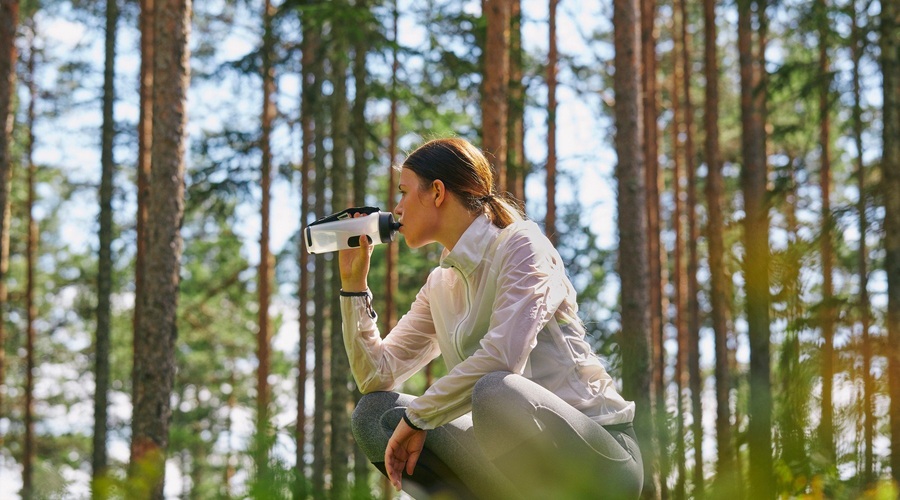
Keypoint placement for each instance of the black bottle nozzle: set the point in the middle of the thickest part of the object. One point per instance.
(387, 226)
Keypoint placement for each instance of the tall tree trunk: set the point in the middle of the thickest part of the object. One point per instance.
(890, 164)
(230, 405)
(515, 161)
(826, 422)
(632, 227)
(392, 251)
(550, 219)
(340, 393)
(494, 100)
(147, 23)
(157, 328)
(791, 411)
(656, 255)
(693, 233)
(390, 316)
(104, 272)
(28, 454)
(264, 276)
(358, 129)
(679, 268)
(756, 242)
(360, 175)
(857, 46)
(715, 227)
(321, 346)
(9, 19)
(308, 47)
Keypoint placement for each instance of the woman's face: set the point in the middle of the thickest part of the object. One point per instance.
(416, 210)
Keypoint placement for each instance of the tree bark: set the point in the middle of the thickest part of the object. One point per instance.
(693, 233)
(632, 226)
(756, 243)
(31, 254)
(550, 219)
(715, 227)
(793, 396)
(515, 161)
(9, 19)
(105, 261)
(359, 133)
(494, 100)
(890, 165)
(264, 270)
(656, 260)
(147, 22)
(308, 81)
(340, 393)
(321, 344)
(358, 129)
(679, 268)
(826, 422)
(857, 47)
(157, 328)
(392, 250)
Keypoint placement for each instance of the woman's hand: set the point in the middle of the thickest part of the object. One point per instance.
(354, 265)
(402, 453)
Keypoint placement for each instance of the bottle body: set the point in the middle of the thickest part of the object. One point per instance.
(343, 231)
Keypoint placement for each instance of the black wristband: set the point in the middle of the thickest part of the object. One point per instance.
(409, 423)
(354, 294)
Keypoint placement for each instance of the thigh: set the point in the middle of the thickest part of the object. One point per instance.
(531, 429)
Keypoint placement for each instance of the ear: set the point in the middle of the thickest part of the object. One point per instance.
(439, 192)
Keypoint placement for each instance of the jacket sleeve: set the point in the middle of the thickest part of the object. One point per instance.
(532, 285)
(382, 364)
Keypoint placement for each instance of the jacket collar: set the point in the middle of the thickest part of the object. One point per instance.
(471, 247)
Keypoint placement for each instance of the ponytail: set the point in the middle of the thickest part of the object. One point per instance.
(501, 210)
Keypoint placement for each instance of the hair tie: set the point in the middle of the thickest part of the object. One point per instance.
(487, 198)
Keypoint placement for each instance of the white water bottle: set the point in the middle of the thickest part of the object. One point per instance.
(342, 230)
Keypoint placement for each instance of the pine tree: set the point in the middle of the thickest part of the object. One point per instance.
(157, 331)
(105, 261)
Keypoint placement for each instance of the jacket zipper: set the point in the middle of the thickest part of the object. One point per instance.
(457, 336)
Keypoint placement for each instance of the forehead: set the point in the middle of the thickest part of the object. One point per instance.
(408, 178)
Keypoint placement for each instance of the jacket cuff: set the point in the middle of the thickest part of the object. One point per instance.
(364, 297)
(410, 422)
(414, 421)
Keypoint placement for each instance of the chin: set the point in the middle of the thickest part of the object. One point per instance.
(414, 243)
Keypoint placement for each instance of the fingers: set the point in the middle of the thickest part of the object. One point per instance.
(393, 466)
(412, 461)
(364, 243)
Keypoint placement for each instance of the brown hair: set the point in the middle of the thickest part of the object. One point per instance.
(466, 173)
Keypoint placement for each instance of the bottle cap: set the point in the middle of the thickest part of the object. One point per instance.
(387, 228)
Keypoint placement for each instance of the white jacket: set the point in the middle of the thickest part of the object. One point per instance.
(500, 301)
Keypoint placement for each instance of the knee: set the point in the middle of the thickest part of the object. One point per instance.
(370, 407)
(489, 389)
(366, 423)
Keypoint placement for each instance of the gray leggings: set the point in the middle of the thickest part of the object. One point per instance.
(519, 441)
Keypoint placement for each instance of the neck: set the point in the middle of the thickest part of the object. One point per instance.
(456, 221)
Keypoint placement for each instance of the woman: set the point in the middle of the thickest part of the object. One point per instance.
(526, 410)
